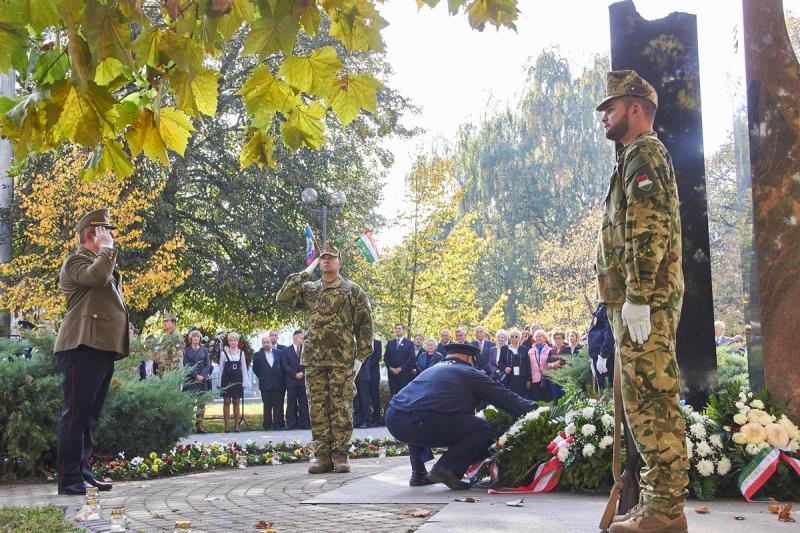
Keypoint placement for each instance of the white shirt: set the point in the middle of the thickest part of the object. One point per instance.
(270, 358)
(148, 369)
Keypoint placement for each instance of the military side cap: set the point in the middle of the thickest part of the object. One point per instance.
(171, 316)
(329, 249)
(456, 347)
(95, 218)
(627, 83)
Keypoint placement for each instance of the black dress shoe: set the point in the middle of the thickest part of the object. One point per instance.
(101, 485)
(442, 474)
(76, 489)
(419, 480)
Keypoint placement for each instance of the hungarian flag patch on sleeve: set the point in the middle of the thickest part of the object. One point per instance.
(644, 182)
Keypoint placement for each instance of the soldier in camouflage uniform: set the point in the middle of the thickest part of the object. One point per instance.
(171, 346)
(338, 328)
(639, 278)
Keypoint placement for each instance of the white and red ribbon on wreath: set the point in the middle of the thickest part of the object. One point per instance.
(762, 467)
(546, 477)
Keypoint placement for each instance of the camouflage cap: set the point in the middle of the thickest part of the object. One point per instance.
(98, 217)
(170, 316)
(627, 83)
(329, 249)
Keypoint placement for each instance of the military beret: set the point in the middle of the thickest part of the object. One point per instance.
(329, 249)
(627, 83)
(98, 217)
(465, 349)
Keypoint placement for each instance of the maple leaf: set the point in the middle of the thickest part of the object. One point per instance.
(304, 126)
(354, 93)
(314, 73)
(270, 35)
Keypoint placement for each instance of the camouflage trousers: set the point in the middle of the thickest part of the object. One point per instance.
(330, 406)
(650, 396)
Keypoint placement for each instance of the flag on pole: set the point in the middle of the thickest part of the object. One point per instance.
(311, 251)
(367, 246)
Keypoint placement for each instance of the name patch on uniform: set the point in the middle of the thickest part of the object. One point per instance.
(644, 182)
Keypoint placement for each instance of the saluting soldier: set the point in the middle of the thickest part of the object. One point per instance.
(338, 324)
(639, 278)
(171, 346)
(92, 336)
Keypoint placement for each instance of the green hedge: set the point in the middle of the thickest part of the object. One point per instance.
(139, 416)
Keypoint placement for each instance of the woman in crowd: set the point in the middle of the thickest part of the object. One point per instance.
(197, 358)
(429, 357)
(555, 359)
(538, 355)
(515, 364)
(493, 368)
(573, 342)
(234, 379)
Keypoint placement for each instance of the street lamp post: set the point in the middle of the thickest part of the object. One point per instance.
(338, 199)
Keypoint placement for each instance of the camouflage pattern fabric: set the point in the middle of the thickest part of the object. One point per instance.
(639, 260)
(330, 406)
(627, 83)
(338, 331)
(170, 352)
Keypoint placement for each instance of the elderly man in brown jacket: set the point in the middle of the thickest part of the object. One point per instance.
(92, 336)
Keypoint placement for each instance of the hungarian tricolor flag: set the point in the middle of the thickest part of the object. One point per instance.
(368, 247)
(311, 251)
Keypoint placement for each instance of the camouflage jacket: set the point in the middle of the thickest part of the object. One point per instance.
(639, 245)
(338, 319)
(170, 351)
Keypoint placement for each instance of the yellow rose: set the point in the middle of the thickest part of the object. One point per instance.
(755, 433)
(739, 438)
(222, 459)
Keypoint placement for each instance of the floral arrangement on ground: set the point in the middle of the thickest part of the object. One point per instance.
(184, 459)
(741, 444)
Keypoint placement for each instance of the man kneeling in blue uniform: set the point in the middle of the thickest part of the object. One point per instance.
(437, 409)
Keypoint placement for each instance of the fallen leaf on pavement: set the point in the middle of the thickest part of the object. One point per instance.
(263, 524)
(774, 506)
(702, 510)
(516, 503)
(738, 518)
(419, 513)
(468, 499)
(785, 513)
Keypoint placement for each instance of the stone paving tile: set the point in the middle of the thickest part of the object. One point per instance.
(234, 500)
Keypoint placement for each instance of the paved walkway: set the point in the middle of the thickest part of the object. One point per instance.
(234, 500)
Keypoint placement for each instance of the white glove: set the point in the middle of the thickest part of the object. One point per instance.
(637, 318)
(601, 365)
(356, 367)
(310, 268)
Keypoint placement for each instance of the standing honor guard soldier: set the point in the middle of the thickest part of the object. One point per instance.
(338, 323)
(171, 346)
(639, 278)
(92, 336)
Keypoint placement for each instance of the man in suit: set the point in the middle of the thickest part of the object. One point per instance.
(444, 340)
(268, 366)
(273, 337)
(720, 339)
(484, 346)
(419, 344)
(93, 335)
(295, 379)
(361, 402)
(400, 360)
(374, 363)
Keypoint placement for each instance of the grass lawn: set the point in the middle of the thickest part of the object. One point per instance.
(29, 519)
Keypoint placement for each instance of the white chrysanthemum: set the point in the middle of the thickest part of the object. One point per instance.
(606, 441)
(563, 454)
(689, 448)
(502, 440)
(705, 467)
(588, 429)
(570, 429)
(739, 438)
(759, 417)
(754, 433)
(715, 440)
(697, 417)
(608, 421)
(703, 449)
(751, 449)
(593, 401)
(790, 427)
(740, 419)
(569, 417)
(588, 450)
(757, 404)
(777, 435)
(723, 466)
(587, 412)
(697, 430)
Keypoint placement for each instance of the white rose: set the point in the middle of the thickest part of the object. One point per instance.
(608, 421)
(705, 467)
(751, 449)
(727, 428)
(744, 410)
(715, 440)
(703, 449)
(749, 394)
(587, 412)
(606, 441)
(723, 466)
(588, 429)
(740, 419)
(740, 438)
(697, 430)
(563, 454)
(588, 450)
(739, 405)
(758, 404)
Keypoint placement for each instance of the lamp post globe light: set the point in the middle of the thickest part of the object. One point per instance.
(338, 198)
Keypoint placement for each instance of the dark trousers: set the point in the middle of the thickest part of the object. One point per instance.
(361, 404)
(273, 407)
(297, 407)
(85, 376)
(466, 437)
(375, 397)
(396, 383)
